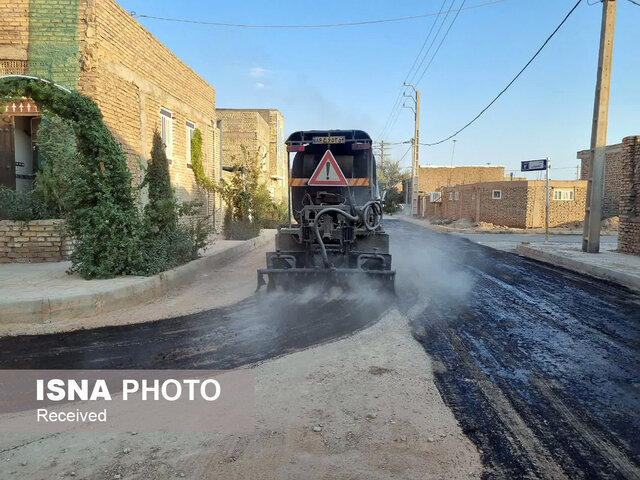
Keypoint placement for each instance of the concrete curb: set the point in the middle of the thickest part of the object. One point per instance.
(51, 309)
(621, 278)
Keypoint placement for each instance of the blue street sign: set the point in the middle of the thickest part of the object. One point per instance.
(532, 165)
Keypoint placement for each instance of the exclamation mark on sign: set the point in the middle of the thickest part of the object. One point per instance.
(328, 169)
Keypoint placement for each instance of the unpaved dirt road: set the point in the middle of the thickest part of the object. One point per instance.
(540, 365)
(370, 395)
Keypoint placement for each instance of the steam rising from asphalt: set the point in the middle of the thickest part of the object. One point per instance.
(429, 271)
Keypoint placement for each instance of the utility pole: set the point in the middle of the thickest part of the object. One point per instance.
(415, 164)
(381, 152)
(546, 216)
(595, 184)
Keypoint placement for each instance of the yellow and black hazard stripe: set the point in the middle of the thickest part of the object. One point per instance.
(359, 182)
(353, 182)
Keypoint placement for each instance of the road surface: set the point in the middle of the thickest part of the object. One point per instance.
(541, 366)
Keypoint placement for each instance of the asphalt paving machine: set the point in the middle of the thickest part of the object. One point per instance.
(335, 235)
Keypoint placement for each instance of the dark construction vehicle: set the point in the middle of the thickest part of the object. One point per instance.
(337, 238)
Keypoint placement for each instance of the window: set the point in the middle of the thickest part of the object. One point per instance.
(166, 132)
(565, 194)
(450, 195)
(435, 197)
(191, 127)
(457, 196)
(496, 194)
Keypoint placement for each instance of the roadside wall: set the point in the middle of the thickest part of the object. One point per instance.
(613, 178)
(629, 229)
(432, 178)
(521, 203)
(34, 242)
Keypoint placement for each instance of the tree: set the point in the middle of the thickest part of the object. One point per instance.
(390, 174)
(248, 201)
(161, 212)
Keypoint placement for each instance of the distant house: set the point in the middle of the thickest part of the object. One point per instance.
(517, 204)
(96, 47)
(260, 133)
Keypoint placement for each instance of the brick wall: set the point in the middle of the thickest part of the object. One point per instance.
(612, 177)
(14, 36)
(33, 242)
(432, 178)
(629, 230)
(100, 49)
(131, 76)
(260, 133)
(560, 211)
(522, 203)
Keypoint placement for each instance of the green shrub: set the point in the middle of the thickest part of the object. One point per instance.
(243, 229)
(249, 204)
(59, 164)
(393, 200)
(161, 213)
(197, 227)
(23, 206)
(90, 184)
(101, 213)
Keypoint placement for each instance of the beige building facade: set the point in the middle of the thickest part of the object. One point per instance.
(141, 87)
(258, 134)
(516, 204)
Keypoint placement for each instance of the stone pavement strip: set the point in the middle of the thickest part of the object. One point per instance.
(44, 292)
(562, 250)
(609, 264)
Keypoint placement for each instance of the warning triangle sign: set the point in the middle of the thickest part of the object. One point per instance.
(328, 173)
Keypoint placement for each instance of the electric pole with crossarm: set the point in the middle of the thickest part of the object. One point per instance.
(415, 164)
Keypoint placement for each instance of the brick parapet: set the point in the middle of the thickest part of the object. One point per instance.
(629, 229)
(34, 242)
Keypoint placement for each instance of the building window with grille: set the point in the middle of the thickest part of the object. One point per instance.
(191, 127)
(166, 132)
(563, 194)
(456, 196)
(450, 195)
(496, 194)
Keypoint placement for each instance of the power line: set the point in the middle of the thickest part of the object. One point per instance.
(320, 25)
(409, 78)
(405, 154)
(510, 83)
(441, 41)
(635, 3)
(396, 104)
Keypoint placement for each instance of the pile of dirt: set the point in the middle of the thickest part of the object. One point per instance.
(610, 224)
(440, 221)
(464, 223)
(489, 226)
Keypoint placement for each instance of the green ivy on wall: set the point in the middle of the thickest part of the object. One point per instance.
(196, 163)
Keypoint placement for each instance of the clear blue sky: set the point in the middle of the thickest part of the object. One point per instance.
(350, 77)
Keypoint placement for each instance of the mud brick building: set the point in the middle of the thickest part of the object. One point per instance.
(431, 178)
(517, 204)
(613, 178)
(259, 134)
(629, 230)
(96, 47)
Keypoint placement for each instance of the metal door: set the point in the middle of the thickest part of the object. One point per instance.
(7, 155)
